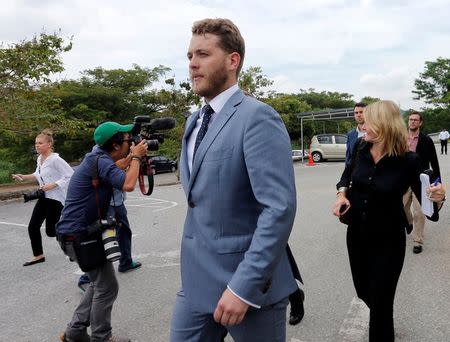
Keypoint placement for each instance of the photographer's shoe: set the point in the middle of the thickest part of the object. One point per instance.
(133, 266)
(36, 261)
(83, 337)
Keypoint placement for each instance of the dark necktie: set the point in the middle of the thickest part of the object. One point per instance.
(207, 112)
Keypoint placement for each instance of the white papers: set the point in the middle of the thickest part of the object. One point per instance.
(427, 204)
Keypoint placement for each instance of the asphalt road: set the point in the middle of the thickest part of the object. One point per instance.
(38, 301)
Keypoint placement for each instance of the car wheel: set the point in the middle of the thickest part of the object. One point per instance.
(316, 156)
(173, 168)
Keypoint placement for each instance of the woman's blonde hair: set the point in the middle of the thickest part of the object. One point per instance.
(385, 119)
(47, 135)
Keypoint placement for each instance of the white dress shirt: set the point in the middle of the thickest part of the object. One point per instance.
(216, 104)
(54, 169)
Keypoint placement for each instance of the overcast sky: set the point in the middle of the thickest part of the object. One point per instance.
(366, 48)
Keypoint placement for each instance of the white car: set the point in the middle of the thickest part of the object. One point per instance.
(328, 146)
(297, 155)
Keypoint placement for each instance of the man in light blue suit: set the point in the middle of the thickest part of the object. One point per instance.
(237, 174)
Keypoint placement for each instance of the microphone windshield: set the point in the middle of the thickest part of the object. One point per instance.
(162, 124)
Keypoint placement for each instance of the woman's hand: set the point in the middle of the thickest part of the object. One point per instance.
(341, 205)
(49, 186)
(17, 177)
(436, 193)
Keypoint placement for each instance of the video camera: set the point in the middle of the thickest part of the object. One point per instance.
(145, 128)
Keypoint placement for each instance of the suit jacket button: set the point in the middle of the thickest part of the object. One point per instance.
(191, 204)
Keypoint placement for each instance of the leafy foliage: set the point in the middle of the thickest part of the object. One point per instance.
(433, 85)
(253, 81)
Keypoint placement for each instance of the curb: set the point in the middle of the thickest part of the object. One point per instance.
(16, 195)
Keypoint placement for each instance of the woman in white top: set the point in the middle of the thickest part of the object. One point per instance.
(53, 174)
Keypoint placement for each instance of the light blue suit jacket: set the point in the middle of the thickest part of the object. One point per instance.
(241, 207)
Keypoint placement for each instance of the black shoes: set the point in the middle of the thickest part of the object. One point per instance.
(417, 249)
(134, 265)
(296, 300)
(32, 262)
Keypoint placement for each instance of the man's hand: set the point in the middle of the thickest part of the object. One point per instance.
(230, 309)
(140, 150)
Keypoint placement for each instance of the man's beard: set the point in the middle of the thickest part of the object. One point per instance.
(214, 85)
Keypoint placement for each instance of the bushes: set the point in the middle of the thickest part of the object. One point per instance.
(6, 169)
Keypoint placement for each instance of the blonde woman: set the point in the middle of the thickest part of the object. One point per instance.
(381, 172)
(52, 173)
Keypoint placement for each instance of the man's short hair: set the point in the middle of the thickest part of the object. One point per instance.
(359, 104)
(230, 39)
(417, 113)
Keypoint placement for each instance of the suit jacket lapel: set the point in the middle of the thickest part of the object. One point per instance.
(185, 175)
(222, 118)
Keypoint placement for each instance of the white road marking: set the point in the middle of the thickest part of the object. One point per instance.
(150, 202)
(356, 322)
(155, 203)
(13, 224)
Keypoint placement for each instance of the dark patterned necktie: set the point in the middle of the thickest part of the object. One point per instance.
(207, 112)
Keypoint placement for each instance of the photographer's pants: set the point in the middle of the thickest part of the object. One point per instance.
(45, 209)
(96, 305)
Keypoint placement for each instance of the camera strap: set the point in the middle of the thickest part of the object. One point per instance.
(96, 184)
(146, 169)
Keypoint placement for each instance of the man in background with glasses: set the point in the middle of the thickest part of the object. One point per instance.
(423, 145)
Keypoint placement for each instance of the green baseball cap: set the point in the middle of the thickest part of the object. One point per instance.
(106, 130)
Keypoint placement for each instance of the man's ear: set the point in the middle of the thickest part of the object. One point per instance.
(234, 60)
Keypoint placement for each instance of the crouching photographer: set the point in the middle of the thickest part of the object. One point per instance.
(83, 221)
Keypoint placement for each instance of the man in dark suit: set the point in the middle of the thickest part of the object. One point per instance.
(235, 270)
(423, 145)
(357, 132)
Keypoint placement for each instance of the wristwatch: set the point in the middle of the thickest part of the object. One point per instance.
(342, 189)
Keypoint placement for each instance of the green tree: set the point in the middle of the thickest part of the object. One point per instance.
(253, 81)
(326, 99)
(24, 108)
(433, 85)
(369, 99)
(288, 105)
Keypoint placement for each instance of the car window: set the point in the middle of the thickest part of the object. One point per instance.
(340, 139)
(156, 158)
(324, 139)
